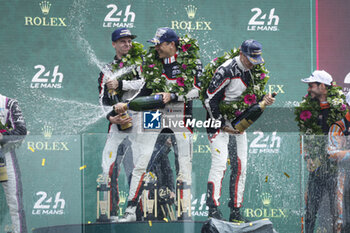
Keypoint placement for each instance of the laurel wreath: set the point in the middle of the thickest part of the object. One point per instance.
(187, 60)
(306, 114)
(254, 92)
(2, 126)
(132, 58)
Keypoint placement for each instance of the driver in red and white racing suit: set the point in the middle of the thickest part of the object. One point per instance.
(228, 83)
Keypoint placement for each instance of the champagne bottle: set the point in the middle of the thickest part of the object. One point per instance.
(249, 116)
(118, 74)
(146, 103)
(126, 125)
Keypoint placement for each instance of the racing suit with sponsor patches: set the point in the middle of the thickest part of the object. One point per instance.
(14, 131)
(339, 151)
(176, 110)
(228, 83)
(125, 140)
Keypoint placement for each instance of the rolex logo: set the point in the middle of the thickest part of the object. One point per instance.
(191, 24)
(45, 7)
(45, 21)
(191, 11)
(47, 131)
(122, 197)
(266, 199)
(122, 200)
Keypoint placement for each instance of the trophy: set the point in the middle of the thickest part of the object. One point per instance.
(165, 203)
(149, 205)
(183, 200)
(103, 200)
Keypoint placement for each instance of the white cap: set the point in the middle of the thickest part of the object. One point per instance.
(348, 98)
(319, 76)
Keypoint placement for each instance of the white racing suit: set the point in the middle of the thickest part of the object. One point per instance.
(116, 136)
(175, 111)
(229, 82)
(11, 117)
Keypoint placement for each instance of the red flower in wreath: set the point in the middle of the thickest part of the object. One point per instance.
(250, 99)
(185, 47)
(304, 115)
(180, 81)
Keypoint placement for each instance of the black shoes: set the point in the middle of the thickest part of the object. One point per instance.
(214, 212)
(235, 216)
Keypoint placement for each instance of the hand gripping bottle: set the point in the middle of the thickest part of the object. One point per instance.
(249, 116)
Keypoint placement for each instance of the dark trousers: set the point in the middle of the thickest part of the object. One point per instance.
(318, 184)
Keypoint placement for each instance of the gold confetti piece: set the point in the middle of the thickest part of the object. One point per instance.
(82, 167)
(266, 178)
(150, 223)
(110, 155)
(165, 219)
(31, 148)
(89, 222)
(286, 174)
(217, 151)
(151, 174)
(228, 161)
(43, 162)
(250, 224)
(184, 135)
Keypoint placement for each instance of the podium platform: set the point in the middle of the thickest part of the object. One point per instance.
(130, 227)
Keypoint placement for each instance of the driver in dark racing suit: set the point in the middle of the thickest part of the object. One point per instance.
(12, 132)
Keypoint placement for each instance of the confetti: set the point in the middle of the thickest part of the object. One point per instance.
(110, 155)
(151, 174)
(89, 222)
(165, 219)
(217, 151)
(31, 148)
(150, 223)
(43, 162)
(266, 178)
(82, 167)
(250, 224)
(228, 161)
(286, 174)
(184, 135)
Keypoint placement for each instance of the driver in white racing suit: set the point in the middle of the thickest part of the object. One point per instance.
(112, 91)
(228, 83)
(176, 108)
